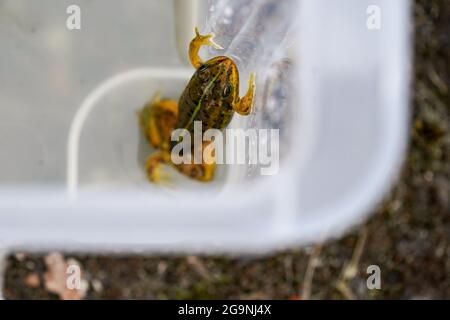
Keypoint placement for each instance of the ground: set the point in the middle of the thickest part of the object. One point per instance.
(407, 236)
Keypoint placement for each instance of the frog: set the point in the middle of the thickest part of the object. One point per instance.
(211, 96)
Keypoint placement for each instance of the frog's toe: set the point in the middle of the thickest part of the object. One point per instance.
(210, 42)
(154, 167)
(158, 175)
(206, 40)
(163, 178)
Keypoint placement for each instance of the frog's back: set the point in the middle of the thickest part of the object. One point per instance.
(209, 96)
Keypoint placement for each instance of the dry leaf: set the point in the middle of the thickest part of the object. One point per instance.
(56, 278)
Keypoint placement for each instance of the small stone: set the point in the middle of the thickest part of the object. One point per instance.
(20, 256)
(162, 267)
(32, 280)
(428, 176)
(30, 265)
(97, 285)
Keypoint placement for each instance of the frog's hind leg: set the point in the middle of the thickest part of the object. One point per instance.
(157, 120)
(199, 171)
(245, 104)
(154, 167)
(197, 43)
(202, 172)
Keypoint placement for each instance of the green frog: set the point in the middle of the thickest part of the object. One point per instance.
(211, 96)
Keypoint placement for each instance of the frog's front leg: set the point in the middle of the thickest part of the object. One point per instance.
(197, 43)
(245, 104)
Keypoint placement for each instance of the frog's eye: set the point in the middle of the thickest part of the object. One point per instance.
(227, 90)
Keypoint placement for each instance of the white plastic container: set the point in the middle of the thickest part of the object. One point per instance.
(71, 163)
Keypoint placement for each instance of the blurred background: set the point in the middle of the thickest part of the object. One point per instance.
(407, 235)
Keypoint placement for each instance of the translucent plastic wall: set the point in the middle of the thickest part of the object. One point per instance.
(332, 80)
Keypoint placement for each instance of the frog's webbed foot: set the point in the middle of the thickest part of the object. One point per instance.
(197, 43)
(203, 171)
(245, 104)
(157, 119)
(155, 168)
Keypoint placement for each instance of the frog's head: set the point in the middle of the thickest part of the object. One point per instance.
(222, 75)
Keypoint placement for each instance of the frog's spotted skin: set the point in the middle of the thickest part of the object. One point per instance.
(211, 96)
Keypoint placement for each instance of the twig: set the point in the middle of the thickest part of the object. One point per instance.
(345, 290)
(309, 274)
(350, 270)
